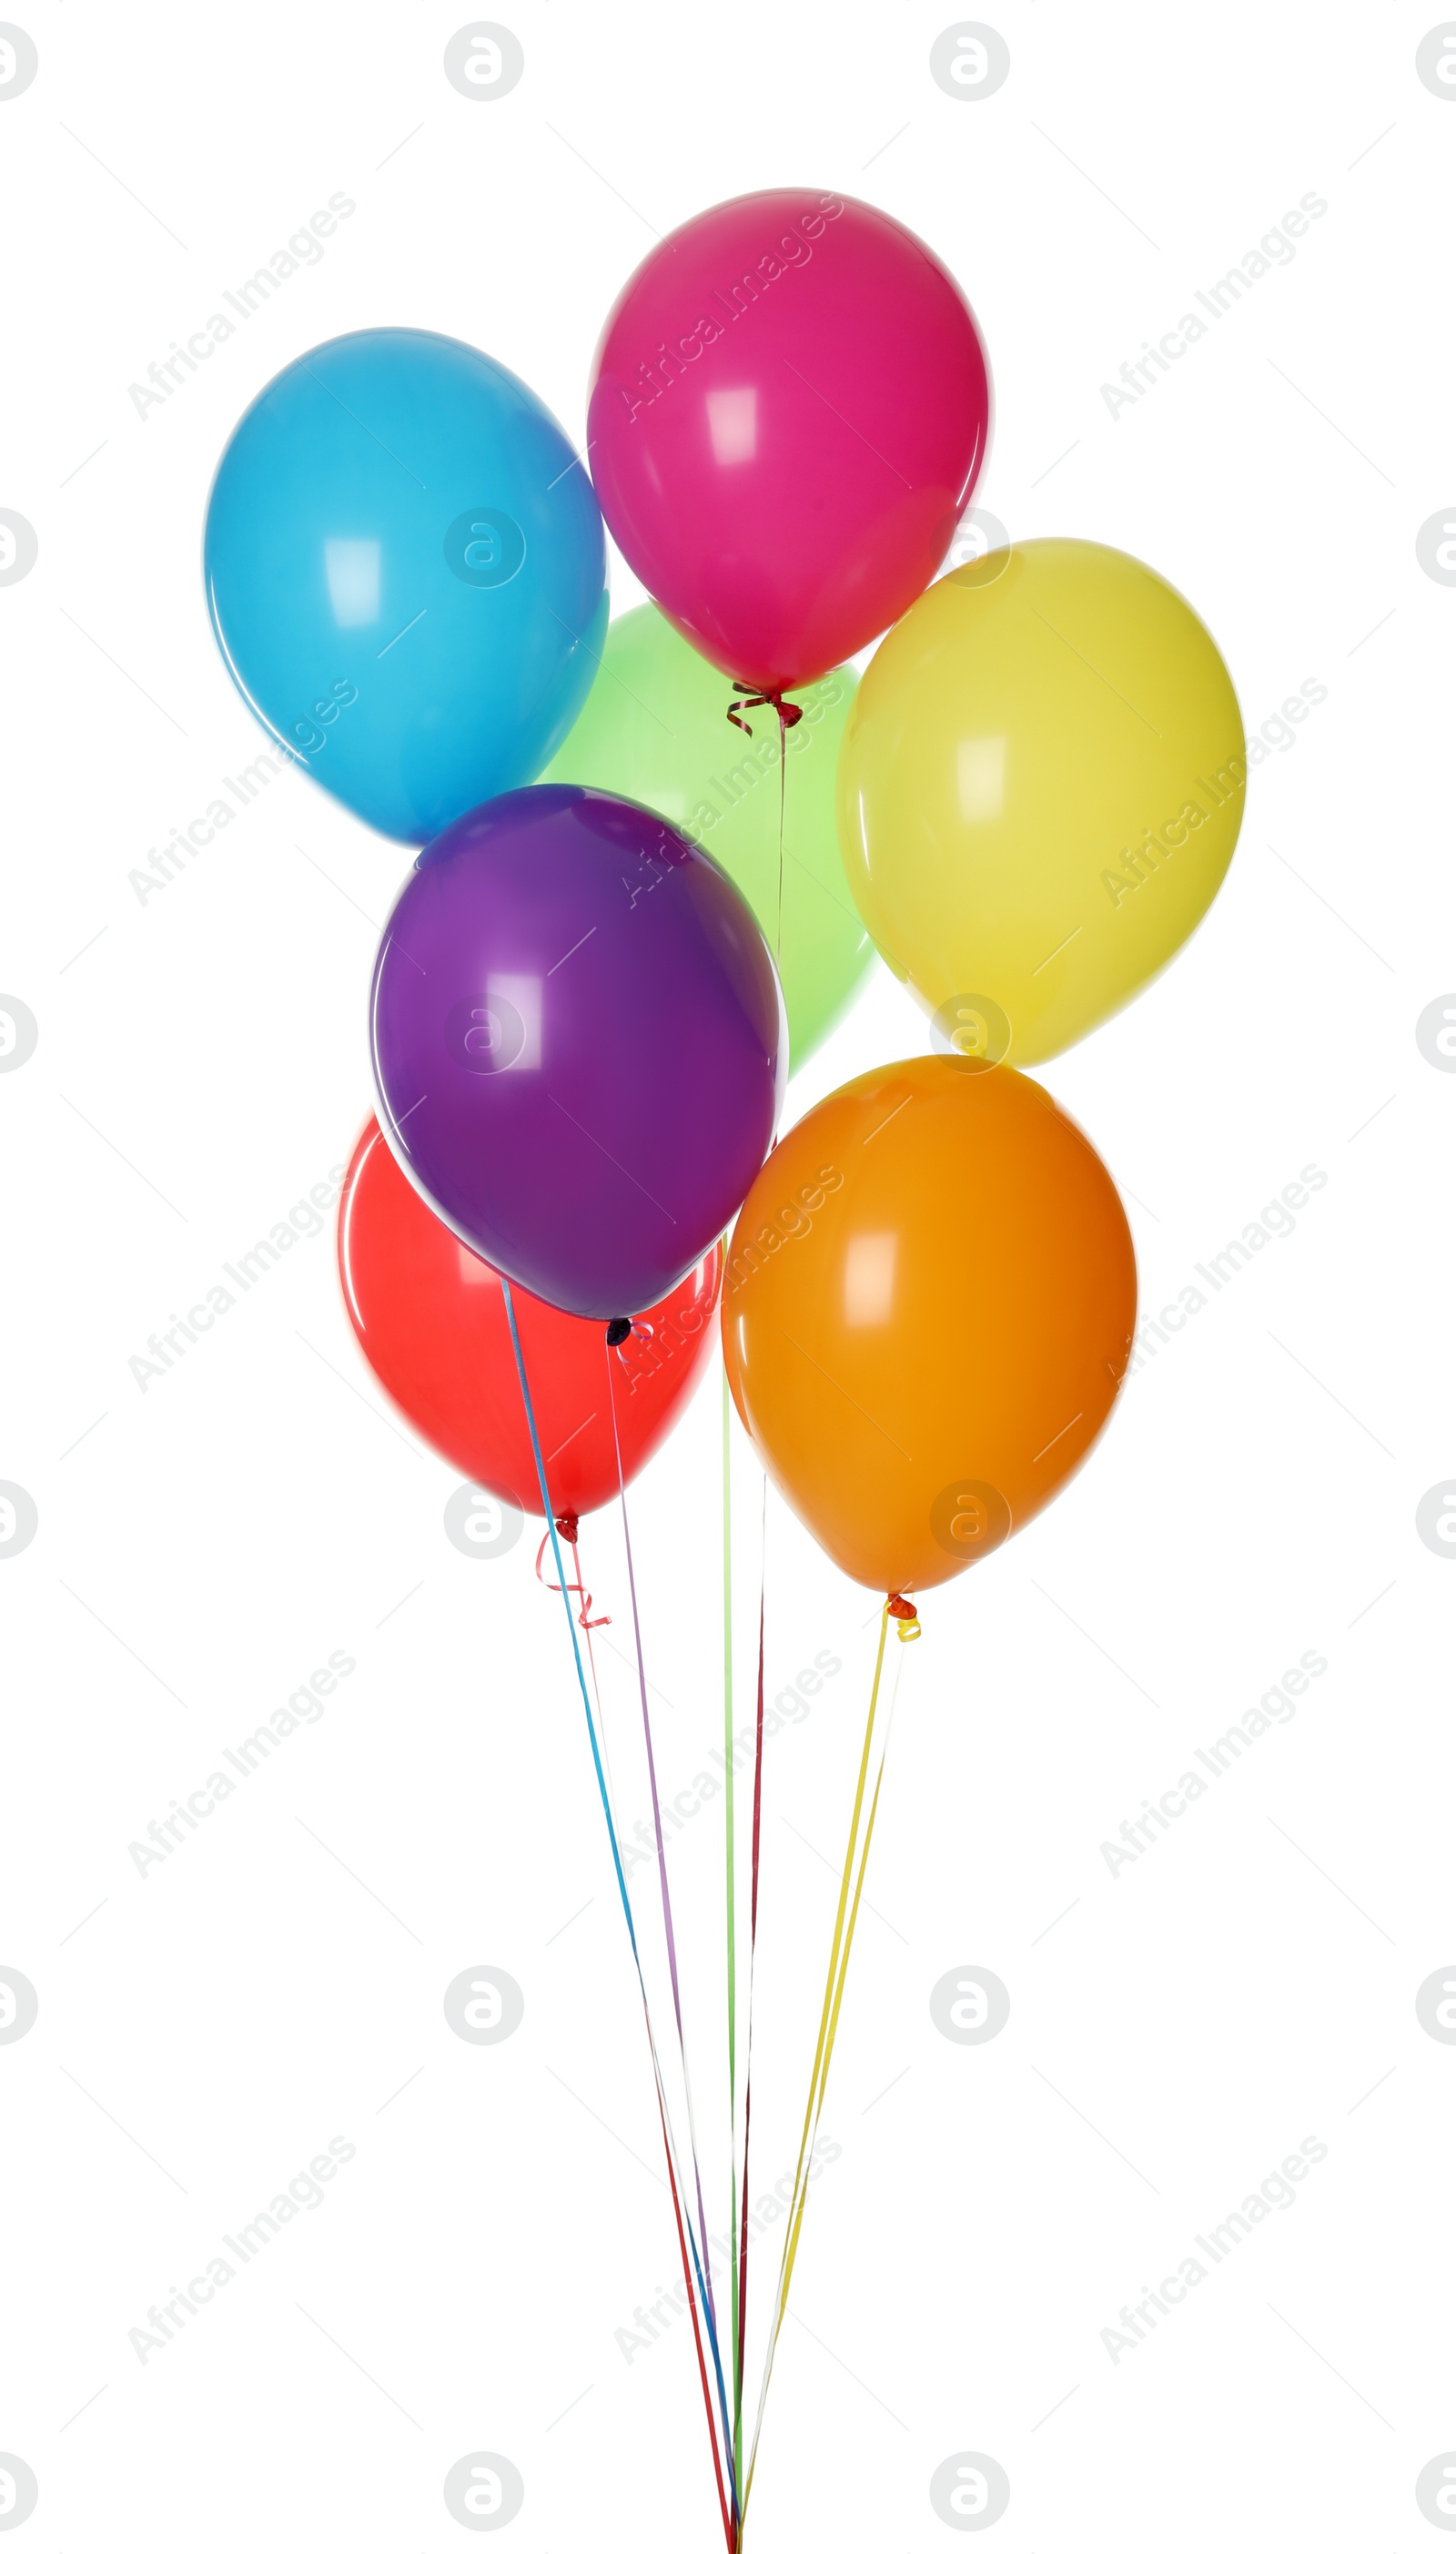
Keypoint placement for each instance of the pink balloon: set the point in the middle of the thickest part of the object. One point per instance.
(790, 407)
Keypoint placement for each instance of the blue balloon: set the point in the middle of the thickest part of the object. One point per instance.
(407, 575)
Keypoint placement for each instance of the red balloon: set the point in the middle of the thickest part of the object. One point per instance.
(430, 1317)
(789, 410)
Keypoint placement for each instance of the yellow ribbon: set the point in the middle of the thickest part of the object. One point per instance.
(838, 1969)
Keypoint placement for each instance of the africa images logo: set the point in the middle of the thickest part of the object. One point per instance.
(731, 412)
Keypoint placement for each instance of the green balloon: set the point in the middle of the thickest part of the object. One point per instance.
(655, 727)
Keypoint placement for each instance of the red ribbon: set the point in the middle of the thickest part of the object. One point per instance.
(789, 712)
(568, 1527)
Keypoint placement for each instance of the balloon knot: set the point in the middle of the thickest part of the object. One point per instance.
(619, 1330)
(905, 1618)
(789, 712)
(567, 1527)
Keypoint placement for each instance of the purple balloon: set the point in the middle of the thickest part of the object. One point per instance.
(579, 1044)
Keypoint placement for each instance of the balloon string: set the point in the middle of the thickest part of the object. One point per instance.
(732, 1925)
(778, 940)
(673, 2169)
(731, 2528)
(789, 712)
(667, 1923)
(752, 1966)
(839, 1970)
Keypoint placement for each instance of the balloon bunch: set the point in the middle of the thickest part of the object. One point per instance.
(636, 899)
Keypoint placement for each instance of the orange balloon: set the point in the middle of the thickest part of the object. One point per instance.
(928, 1308)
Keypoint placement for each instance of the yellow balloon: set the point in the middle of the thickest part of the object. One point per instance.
(1041, 785)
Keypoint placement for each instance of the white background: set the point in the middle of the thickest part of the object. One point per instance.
(1247, 1984)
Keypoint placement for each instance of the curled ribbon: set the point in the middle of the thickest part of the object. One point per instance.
(568, 1528)
(789, 712)
(906, 1620)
